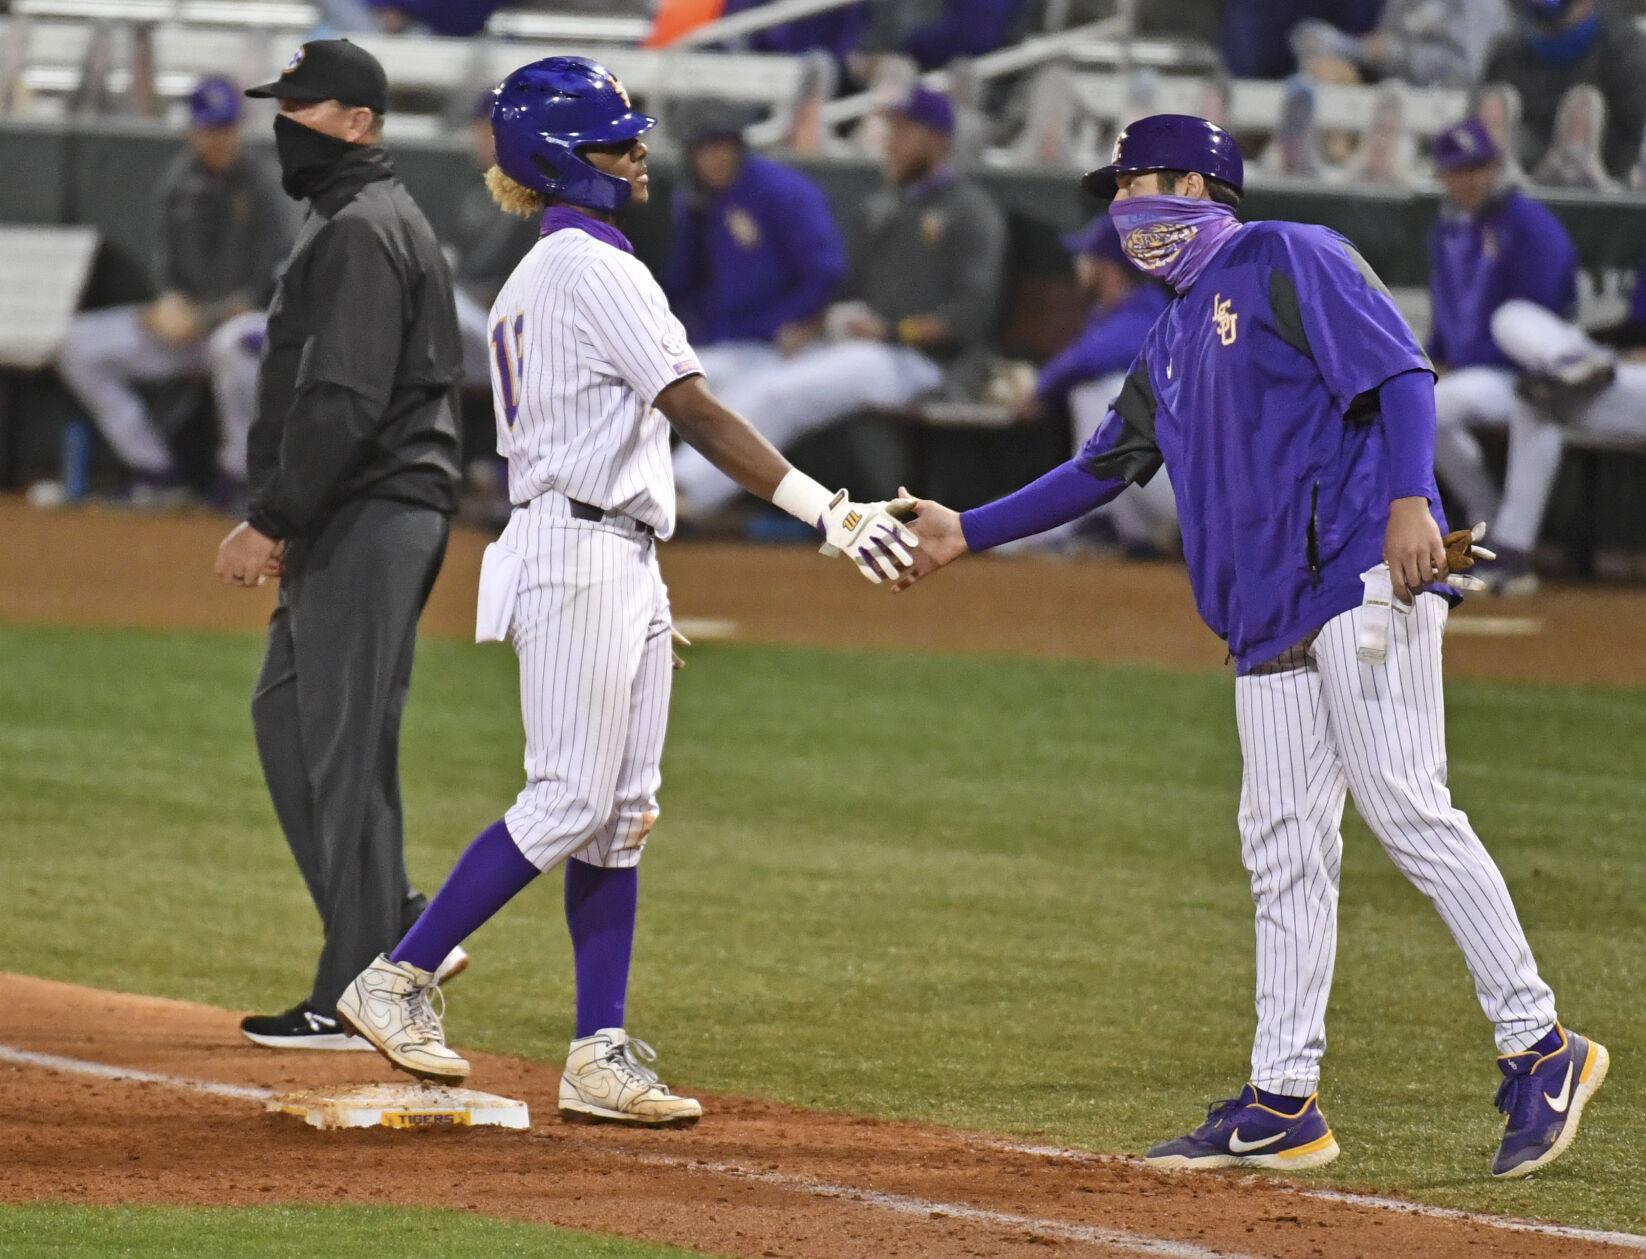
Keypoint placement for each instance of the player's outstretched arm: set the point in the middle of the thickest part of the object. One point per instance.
(942, 540)
(869, 533)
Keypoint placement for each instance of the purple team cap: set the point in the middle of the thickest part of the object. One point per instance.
(1098, 239)
(1465, 145)
(927, 107)
(215, 102)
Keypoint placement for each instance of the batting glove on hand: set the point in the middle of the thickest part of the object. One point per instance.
(1461, 554)
(871, 533)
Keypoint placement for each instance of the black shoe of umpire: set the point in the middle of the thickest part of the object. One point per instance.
(299, 1028)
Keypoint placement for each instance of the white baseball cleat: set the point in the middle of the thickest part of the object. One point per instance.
(391, 1004)
(606, 1080)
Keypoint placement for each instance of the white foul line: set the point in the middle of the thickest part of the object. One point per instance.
(1508, 1224)
(900, 1204)
(79, 1066)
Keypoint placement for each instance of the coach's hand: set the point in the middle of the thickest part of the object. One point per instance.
(942, 541)
(871, 533)
(247, 557)
(1412, 547)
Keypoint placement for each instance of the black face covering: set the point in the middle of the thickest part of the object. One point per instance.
(306, 156)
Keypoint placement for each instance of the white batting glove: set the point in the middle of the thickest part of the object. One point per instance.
(871, 533)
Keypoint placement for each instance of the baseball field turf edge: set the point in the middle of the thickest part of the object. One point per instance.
(295, 1232)
(995, 894)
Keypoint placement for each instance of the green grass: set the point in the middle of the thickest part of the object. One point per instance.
(994, 894)
(39, 1232)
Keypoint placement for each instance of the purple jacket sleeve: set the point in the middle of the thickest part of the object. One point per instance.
(1065, 493)
(814, 245)
(1407, 403)
(1544, 267)
(1090, 356)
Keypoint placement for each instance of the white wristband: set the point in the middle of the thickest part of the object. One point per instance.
(802, 497)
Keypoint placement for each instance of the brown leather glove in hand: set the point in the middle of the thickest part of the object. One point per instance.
(1462, 553)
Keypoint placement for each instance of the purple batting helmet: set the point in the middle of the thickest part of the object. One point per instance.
(544, 112)
(1170, 142)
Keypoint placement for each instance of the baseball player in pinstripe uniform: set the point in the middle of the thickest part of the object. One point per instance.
(588, 361)
(1295, 412)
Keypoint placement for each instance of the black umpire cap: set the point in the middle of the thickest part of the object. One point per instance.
(331, 70)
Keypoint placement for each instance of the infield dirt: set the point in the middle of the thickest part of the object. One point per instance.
(105, 567)
(746, 1181)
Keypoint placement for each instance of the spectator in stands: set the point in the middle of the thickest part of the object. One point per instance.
(923, 293)
(1492, 244)
(755, 258)
(837, 32)
(1562, 43)
(223, 227)
(964, 28)
(1573, 159)
(1388, 150)
(1085, 378)
(488, 244)
(1294, 149)
(1257, 33)
(431, 17)
(1427, 43)
(1497, 105)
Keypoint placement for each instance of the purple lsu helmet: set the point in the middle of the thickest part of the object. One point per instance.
(544, 112)
(1170, 142)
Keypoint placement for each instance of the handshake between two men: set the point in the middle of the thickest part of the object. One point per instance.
(899, 540)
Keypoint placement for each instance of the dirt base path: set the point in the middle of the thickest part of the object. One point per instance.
(106, 567)
(752, 1179)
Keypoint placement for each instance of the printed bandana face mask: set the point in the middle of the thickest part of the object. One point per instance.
(1172, 238)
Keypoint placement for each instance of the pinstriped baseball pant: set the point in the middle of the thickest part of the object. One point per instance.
(591, 630)
(1309, 733)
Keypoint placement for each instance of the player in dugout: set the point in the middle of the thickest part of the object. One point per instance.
(1492, 245)
(923, 291)
(1087, 374)
(755, 258)
(221, 232)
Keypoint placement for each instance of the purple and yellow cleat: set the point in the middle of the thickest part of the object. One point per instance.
(1544, 1095)
(1242, 1132)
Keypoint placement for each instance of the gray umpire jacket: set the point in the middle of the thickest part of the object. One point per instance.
(357, 388)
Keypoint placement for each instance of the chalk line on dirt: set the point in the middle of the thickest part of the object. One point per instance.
(1137, 1243)
(1628, 1241)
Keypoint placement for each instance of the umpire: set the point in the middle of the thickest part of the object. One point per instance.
(354, 466)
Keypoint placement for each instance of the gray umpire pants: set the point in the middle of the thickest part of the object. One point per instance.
(326, 714)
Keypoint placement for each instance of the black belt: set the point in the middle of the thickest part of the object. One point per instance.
(588, 511)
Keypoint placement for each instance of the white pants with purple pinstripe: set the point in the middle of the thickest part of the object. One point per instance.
(591, 630)
(1312, 731)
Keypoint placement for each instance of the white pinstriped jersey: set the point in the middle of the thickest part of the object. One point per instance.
(582, 342)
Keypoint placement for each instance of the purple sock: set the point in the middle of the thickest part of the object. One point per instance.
(1284, 1103)
(600, 910)
(485, 878)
